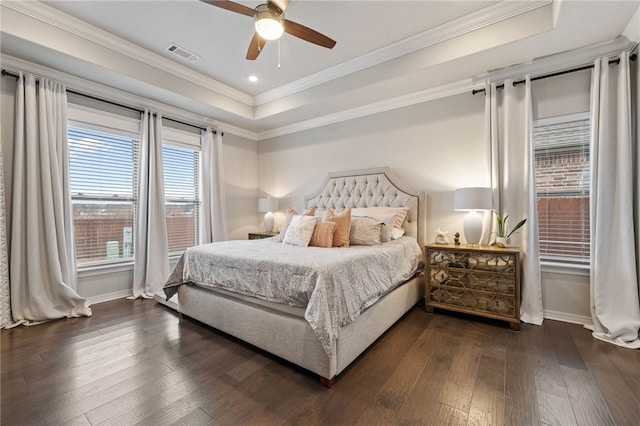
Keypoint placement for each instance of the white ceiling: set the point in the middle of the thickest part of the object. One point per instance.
(385, 51)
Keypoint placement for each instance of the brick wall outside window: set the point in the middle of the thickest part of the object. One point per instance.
(562, 186)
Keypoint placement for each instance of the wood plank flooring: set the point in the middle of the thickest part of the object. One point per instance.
(136, 362)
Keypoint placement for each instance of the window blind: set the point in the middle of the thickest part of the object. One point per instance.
(562, 188)
(181, 189)
(102, 171)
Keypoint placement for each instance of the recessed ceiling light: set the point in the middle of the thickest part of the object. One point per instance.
(252, 78)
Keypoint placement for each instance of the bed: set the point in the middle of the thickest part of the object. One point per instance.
(289, 326)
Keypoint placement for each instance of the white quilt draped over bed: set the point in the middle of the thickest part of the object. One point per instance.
(333, 285)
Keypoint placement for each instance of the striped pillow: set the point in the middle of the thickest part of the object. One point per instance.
(323, 234)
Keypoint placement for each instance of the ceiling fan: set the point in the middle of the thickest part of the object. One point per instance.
(270, 23)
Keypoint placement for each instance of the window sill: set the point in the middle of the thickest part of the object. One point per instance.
(94, 270)
(105, 269)
(565, 268)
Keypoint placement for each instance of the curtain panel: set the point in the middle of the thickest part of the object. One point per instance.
(43, 276)
(151, 258)
(511, 161)
(615, 301)
(214, 213)
(5, 294)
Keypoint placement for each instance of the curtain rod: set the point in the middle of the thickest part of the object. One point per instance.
(7, 73)
(555, 74)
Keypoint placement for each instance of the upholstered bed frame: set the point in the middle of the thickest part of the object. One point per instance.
(290, 336)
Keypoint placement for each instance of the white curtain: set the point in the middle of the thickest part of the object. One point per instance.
(151, 260)
(43, 275)
(635, 80)
(509, 121)
(5, 294)
(615, 304)
(214, 213)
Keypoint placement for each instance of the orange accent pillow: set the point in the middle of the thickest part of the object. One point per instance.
(343, 226)
(323, 234)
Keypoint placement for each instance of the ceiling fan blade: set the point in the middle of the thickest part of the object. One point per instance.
(282, 4)
(307, 34)
(255, 47)
(229, 5)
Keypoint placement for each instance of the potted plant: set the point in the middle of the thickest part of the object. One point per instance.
(503, 236)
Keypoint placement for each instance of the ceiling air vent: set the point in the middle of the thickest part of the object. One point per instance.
(182, 52)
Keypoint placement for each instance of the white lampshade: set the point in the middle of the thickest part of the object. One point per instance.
(268, 206)
(472, 199)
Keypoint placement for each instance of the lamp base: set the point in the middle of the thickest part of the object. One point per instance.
(472, 228)
(268, 222)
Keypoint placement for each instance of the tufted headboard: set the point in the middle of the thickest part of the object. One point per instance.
(370, 188)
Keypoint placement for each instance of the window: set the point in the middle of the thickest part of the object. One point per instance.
(181, 190)
(102, 168)
(561, 147)
(104, 151)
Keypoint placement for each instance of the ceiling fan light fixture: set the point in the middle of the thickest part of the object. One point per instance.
(268, 22)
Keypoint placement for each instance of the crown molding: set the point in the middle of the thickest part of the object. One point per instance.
(558, 62)
(53, 17)
(632, 31)
(442, 91)
(480, 19)
(124, 98)
(238, 131)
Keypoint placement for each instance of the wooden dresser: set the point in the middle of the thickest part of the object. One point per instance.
(477, 280)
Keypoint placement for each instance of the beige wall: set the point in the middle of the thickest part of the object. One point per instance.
(240, 178)
(436, 146)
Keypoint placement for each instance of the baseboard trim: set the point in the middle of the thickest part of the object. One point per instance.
(109, 296)
(565, 317)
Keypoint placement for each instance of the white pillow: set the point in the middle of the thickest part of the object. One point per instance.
(300, 230)
(397, 233)
(387, 228)
(380, 212)
(365, 231)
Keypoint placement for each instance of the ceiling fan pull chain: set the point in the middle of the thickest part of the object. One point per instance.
(279, 53)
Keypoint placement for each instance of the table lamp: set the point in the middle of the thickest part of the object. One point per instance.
(472, 199)
(268, 206)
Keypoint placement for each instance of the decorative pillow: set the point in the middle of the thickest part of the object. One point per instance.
(379, 212)
(323, 234)
(397, 233)
(343, 226)
(287, 220)
(387, 228)
(300, 230)
(365, 231)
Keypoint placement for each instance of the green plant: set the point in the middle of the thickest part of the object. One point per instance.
(503, 231)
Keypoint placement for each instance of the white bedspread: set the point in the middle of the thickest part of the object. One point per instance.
(335, 285)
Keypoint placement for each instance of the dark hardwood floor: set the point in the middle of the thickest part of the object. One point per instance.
(136, 362)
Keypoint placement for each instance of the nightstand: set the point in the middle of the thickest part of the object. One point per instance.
(261, 235)
(480, 280)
